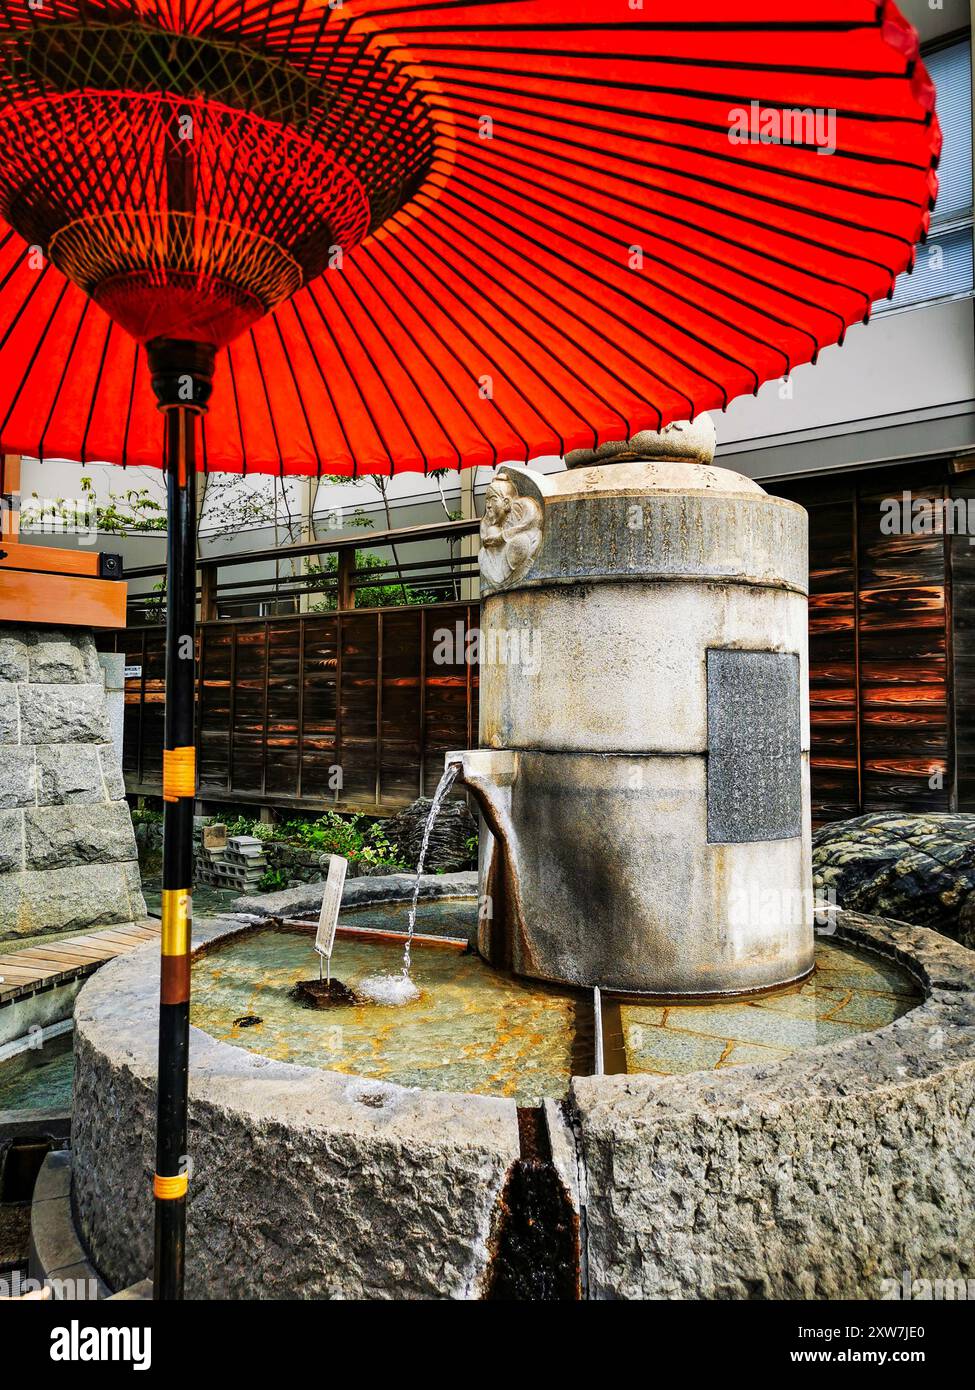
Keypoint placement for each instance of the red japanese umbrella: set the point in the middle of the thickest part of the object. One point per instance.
(420, 235)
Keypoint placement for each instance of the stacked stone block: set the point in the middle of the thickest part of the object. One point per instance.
(239, 862)
(67, 850)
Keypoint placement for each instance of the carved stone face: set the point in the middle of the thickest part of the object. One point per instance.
(511, 532)
(497, 509)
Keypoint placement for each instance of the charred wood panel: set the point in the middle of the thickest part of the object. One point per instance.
(347, 709)
(881, 689)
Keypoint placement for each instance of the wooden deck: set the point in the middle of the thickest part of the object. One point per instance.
(41, 967)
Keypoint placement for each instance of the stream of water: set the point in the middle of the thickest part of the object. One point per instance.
(401, 989)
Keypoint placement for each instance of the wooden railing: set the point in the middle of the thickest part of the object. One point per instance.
(303, 581)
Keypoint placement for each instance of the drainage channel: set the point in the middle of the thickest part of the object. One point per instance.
(536, 1242)
(537, 1246)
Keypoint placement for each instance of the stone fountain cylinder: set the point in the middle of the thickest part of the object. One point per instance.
(644, 770)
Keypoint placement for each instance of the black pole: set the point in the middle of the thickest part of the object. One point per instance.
(181, 378)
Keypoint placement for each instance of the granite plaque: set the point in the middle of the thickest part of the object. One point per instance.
(754, 747)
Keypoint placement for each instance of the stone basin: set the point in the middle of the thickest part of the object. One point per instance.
(818, 1173)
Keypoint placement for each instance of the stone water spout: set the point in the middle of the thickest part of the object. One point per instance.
(643, 776)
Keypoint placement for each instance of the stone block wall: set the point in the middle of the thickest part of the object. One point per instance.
(67, 850)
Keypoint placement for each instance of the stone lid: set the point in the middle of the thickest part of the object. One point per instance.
(694, 440)
(644, 476)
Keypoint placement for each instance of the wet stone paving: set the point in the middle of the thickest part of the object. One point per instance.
(849, 992)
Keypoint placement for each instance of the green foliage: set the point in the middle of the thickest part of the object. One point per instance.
(323, 577)
(354, 837)
(272, 881)
(250, 825)
(350, 836)
(134, 510)
(145, 815)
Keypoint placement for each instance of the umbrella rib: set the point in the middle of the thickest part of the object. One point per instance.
(628, 115)
(586, 325)
(669, 353)
(293, 305)
(589, 327)
(735, 270)
(684, 93)
(267, 402)
(237, 415)
(380, 245)
(353, 377)
(714, 207)
(95, 390)
(86, 305)
(15, 396)
(684, 222)
(656, 313)
(403, 361)
(520, 327)
(458, 361)
(128, 413)
(650, 25)
(403, 364)
(301, 401)
(708, 181)
(701, 151)
(380, 376)
(669, 60)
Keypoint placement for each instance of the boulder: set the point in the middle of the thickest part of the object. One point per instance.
(453, 829)
(916, 868)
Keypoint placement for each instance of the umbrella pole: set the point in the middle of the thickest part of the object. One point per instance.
(181, 396)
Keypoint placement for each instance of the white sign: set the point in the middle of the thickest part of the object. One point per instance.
(331, 902)
(132, 672)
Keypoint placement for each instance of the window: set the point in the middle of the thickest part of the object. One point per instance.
(945, 264)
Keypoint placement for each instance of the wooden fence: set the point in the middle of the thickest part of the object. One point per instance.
(353, 709)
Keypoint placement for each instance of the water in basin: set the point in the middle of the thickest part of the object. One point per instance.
(477, 1029)
(39, 1080)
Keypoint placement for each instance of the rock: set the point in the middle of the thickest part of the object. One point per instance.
(68, 772)
(63, 714)
(452, 830)
(18, 780)
(214, 836)
(309, 1184)
(82, 897)
(11, 841)
(14, 657)
(915, 868)
(67, 849)
(59, 835)
(9, 713)
(306, 901)
(55, 659)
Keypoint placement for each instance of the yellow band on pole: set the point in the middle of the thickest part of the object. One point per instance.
(179, 773)
(170, 1188)
(177, 921)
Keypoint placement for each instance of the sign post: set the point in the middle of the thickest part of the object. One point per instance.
(329, 917)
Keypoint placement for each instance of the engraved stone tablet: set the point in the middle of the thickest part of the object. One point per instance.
(331, 902)
(754, 762)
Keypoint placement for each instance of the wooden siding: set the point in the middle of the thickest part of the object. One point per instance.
(884, 713)
(283, 701)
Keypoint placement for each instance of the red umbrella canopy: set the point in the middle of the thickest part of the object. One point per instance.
(438, 234)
